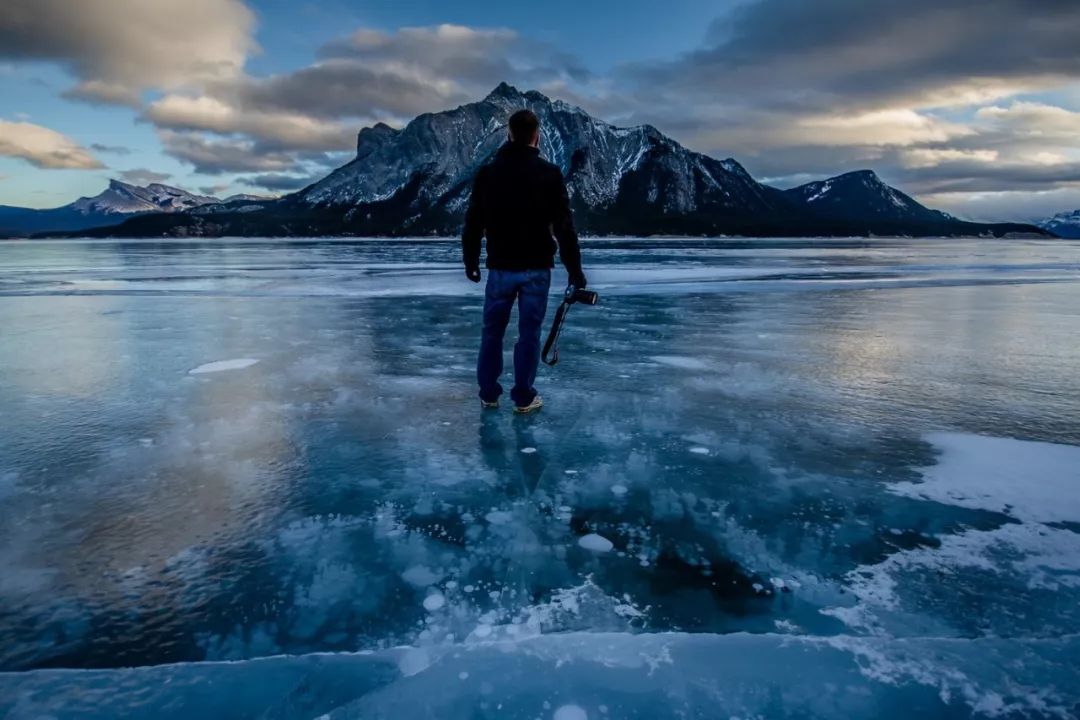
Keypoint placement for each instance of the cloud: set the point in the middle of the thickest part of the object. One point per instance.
(142, 176)
(276, 130)
(277, 181)
(44, 148)
(118, 48)
(931, 157)
(831, 55)
(1009, 205)
(214, 190)
(113, 149)
(359, 79)
(214, 157)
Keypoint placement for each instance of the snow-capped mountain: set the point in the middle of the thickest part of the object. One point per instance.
(862, 197)
(634, 181)
(117, 202)
(1065, 224)
(123, 199)
(615, 176)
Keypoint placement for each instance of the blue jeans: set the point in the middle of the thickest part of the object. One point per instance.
(530, 288)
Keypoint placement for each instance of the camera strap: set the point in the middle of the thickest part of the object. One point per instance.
(551, 347)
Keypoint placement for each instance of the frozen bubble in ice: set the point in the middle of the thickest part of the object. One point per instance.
(414, 660)
(468, 588)
(498, 517)
(570, 712)
(596, 543)
(146, 442)
(463, 675)
(570, 472)
(758, 587)
(434, 601)
(222, 365)
(451, 584)
(700, 450)
(618, 489)
(482, 630)
(528, 450)
(420, 576)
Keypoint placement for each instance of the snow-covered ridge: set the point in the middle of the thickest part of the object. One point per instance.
(1065, 224)
(121, 198)
(431, 161)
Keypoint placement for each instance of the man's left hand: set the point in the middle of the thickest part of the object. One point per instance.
(473, 274)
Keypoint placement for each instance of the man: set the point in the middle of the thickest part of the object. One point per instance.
(518, 201)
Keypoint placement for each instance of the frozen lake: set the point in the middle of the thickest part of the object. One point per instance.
(772, 478)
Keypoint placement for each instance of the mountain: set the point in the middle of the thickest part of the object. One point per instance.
(635, 181)
(1066, 224)
(418, 179)
(861, 201)
(116, 203)
(862, 196)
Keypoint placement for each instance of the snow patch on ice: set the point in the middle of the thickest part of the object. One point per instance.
(1031, 481)
(679, 361)
(223, 365)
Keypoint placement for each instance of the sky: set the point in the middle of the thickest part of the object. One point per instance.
(972, 106)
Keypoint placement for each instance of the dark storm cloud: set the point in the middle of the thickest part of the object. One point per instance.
(376, 74)
(792, 55)
(968, 177)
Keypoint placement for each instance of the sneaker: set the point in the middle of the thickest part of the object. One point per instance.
(485, 405)
(535, 405)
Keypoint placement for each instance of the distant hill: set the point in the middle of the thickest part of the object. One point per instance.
(635, 181)
(116, 203)
(1066, 224)
(861, 201)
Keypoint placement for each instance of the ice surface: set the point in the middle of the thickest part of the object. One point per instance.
(772, 478)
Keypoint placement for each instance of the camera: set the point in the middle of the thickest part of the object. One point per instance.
(585, 297)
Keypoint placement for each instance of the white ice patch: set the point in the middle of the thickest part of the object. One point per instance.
(223, 365)
(595, 543)
(1031, 481)
(1034, 482)
(679, 361)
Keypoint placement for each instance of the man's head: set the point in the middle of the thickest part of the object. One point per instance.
(525, 128)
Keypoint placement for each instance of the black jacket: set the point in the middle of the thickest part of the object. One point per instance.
(519, 201)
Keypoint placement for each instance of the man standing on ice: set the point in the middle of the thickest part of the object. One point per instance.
(519, 202)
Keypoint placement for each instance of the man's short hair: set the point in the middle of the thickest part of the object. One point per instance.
(523, 126)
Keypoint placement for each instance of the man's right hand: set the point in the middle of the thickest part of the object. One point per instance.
(578, 280)
(473, 274)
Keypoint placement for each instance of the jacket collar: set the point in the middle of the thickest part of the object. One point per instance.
(512, 149)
